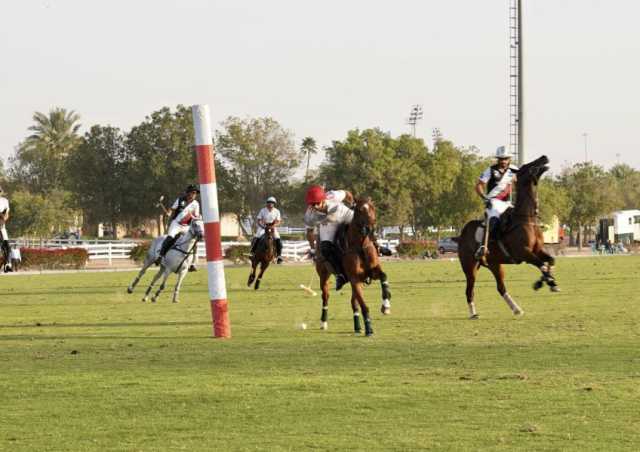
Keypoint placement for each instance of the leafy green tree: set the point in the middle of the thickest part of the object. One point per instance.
(307, 149)
(553, 199)
(461, 203)
(258, 157)
(161, 159)
(627, 181)
(39, 215)
(372, 163)
(98, 175)
(592, 193)
(39, 162)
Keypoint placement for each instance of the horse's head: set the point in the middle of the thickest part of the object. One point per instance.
(268, 229)
(196, 229)
(364, 215)
(530, 173)
(528, 177)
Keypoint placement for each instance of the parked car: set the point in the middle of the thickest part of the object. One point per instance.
(447, 245)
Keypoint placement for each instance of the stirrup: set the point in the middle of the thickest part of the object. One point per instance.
(481, 252)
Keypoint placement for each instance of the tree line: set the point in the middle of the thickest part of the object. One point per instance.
(113, 176)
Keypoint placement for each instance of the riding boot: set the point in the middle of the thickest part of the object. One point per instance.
(494, 224)
(330, 252)
(166, 246)
(254, 244)
(279, 250)
(6, 250)
(192, 267)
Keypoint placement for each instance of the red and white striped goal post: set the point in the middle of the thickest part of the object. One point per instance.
(211, 215)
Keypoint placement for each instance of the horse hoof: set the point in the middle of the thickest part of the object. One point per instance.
(257, 286)
(385, 310)
(554, 289)
(357, 332)
(153, 300)
(537, 285)
(129, 290)
(176, 301)
(474, 317)
(369, 333)
(518, 312)
(145, 299)
(324, 325)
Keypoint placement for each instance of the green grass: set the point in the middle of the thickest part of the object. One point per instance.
(84, 366)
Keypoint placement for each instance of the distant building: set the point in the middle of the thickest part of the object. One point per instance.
(621, 226)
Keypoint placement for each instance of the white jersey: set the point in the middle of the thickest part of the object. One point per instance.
(268, 216)
(4, 208)
(191, 211)
(4, 204)
(499, 184)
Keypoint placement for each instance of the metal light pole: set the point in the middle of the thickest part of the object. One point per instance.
(585, 135)
(414, 117)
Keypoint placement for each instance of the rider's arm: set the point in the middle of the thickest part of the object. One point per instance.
(311, 237)
(480, 189)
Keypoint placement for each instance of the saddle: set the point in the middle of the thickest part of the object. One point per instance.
(505, 225)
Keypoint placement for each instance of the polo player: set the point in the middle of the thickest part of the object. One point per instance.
(4, 236)
(185, 209)
(268, 215)
(326, 212)
(494, 187)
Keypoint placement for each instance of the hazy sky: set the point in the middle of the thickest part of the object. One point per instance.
(321, 68)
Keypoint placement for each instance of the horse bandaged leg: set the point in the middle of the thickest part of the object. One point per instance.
(517, 310)
(472, 311)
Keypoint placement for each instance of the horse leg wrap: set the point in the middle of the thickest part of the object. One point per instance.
(368, 330)
(356, 322)
(325, 313)
(472, 310)
(512, 304)
(386, 293)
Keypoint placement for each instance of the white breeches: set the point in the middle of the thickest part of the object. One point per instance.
(260, 233)
(3, 233)
(327, 232)
(175, 228)
(497, 208)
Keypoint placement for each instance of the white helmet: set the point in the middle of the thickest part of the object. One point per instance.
(271, 199)
(502, 153)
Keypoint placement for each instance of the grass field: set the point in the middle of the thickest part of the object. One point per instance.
(84, 366)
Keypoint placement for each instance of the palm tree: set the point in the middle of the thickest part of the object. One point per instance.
(307, 148)
(40, 160)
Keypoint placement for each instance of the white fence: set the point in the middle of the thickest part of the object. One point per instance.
(120, 249)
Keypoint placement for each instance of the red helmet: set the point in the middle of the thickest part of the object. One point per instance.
(315, 194)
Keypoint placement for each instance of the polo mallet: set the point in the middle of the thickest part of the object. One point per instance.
(308, 290)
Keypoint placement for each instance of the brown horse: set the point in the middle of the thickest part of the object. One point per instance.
(264, 255)
(519, 240)
(361, 265)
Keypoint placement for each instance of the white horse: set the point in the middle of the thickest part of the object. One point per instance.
(177, 260)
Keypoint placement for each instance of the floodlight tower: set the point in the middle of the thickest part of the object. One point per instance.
(414, 117)
(516, 83)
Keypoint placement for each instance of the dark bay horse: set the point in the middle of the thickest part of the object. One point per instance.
(264, 255)
(519, 240)
(361, 264)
